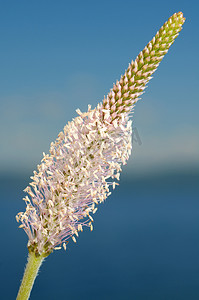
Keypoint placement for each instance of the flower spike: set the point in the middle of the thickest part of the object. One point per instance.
(87, 157)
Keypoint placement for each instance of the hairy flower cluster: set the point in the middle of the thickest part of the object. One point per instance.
(73, 179)
(88, 154)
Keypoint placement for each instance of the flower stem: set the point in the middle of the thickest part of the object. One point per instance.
(30, 274)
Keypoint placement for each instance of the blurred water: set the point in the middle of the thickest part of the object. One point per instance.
(145, 245)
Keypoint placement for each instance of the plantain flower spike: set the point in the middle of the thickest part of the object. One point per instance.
(86, 158)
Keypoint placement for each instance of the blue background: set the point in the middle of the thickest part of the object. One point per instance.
(59, 56)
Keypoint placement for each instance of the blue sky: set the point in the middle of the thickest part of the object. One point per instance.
(57, 56)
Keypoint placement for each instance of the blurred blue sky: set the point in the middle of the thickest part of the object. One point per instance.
(57, 56)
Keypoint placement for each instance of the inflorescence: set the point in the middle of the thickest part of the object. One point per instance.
(87, 157)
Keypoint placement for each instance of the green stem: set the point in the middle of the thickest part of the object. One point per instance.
(30, 274)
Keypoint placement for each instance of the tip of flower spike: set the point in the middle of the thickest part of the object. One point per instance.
(178, 17)
(180, 14)
(126, 92)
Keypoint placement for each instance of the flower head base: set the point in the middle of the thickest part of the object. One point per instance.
(88, 155)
